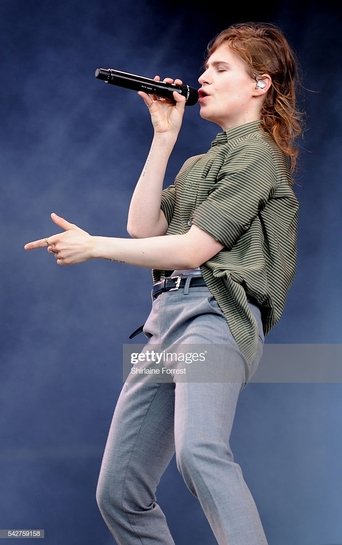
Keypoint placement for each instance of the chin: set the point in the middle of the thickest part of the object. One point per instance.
(206, 115)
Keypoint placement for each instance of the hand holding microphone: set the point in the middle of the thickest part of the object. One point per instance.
(147, 85)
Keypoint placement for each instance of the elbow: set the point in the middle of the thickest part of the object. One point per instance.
(194, 263)
(140, 232)
(191, 260)
(198, 248)
(130, 231)
(134, 231)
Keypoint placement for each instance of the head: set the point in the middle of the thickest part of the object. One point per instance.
(262, 80)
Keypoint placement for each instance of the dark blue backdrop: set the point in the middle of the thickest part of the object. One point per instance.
(72, 145)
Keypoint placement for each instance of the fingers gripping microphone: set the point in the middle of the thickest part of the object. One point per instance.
(139, 83)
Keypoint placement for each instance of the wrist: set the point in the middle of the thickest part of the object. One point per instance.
(97, 250)
(165, 139)
(103, 248)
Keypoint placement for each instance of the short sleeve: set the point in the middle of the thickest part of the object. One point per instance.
(168, 200)
(243, 187)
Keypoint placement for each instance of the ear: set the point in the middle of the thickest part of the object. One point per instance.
(262, 84)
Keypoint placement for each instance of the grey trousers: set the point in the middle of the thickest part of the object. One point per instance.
(192, 419)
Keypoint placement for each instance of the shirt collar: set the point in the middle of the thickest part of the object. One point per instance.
(236, 132)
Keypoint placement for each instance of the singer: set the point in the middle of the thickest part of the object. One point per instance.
(221, 241)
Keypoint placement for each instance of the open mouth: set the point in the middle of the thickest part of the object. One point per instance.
(202, 94)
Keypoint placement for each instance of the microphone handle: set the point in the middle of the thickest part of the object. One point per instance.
(148, 85)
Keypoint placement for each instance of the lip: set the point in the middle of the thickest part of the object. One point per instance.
(202, 95)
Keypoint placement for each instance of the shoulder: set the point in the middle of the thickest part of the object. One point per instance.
(190, 162)
(257, 156)
(253, 146)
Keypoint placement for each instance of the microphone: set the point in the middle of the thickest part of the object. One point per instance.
(140, 83)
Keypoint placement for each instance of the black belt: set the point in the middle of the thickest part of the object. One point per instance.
(172, 284)
(176, 283)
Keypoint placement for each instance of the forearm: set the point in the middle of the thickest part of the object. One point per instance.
(161, 252)
(74, 245)
(145, 218)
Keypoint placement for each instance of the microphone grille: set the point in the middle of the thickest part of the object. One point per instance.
(192, 96)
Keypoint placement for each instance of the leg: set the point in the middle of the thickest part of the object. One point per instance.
(204, 417)
(140, 445)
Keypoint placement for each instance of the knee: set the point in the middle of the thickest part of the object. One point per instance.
(198, 461)
(108, 500)
(102, 498)
(188, 459)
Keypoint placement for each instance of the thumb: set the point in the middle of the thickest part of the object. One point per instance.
(61, 222)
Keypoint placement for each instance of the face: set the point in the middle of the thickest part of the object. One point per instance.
(227, 95)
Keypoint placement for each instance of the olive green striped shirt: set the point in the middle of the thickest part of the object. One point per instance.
(240, 193)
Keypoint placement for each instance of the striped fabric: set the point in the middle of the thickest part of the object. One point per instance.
(240, 193)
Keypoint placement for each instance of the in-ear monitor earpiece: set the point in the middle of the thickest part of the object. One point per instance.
(260, 84)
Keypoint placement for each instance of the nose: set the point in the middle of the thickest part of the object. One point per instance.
(204, 78)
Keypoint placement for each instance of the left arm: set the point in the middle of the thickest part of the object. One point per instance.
(166, 252)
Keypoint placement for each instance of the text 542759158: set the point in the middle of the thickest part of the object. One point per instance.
(22, 533)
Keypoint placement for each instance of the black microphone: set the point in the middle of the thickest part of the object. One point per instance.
(139, 83)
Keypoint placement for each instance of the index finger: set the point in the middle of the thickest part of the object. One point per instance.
(175, 81)
(41, 243)
(178, 81)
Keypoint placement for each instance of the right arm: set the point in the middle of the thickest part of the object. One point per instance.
(145, 218)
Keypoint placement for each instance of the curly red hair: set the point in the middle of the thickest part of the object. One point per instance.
(265, 50)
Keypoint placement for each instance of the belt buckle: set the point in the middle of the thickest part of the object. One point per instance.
(178, 281)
